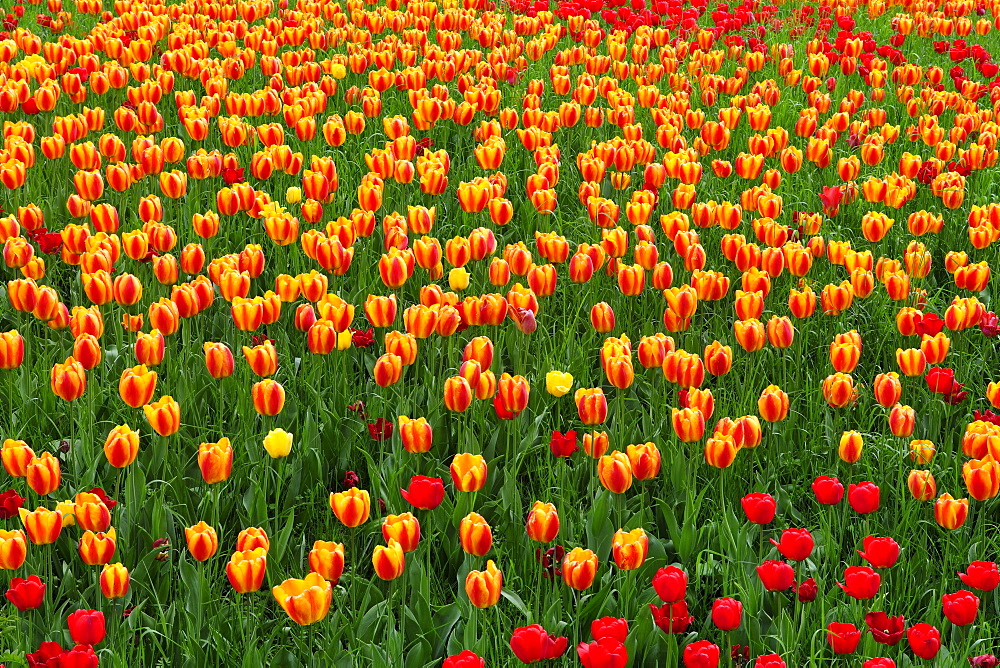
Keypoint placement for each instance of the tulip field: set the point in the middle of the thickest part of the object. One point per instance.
(479, 333)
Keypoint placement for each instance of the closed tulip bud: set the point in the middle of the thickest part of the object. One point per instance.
(483, 587)
(164, 415)
(592, 405)
(202, 541)
(513, 392)
(579, 568)
(215, 460)
(327, 559)
(404, 529)
(351, 507)
(268, 397)
(851, 444)
(13, 549)
(114, 581)
(602, 318)
(16, 455)
(415, 434)
(137, 385)
(97, 549)
(982, 477)
(630, 548)
(718, 359)
(457, 394)
(773, 404)
(838, 390)
(11, 350)
(245, 570)
(389, 560)
(688, 423)
(644, 460)
(468, 472)
(615, 472)
(278, 443)
(949, 512)
(43, 474)
(921, 485)
(387, 370)
(887, 389)
(43, 526)
(263, 359)
(720, 450)
(68, 380)
(543, 522)
(901, 420)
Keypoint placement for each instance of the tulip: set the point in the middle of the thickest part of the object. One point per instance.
(543, 522)
(26, 594)
(218, 360)
(307, 600)
(532, 644)
(468, 472)
(475, 535)
(424, 493)
(86, 627)
(701, 654)
(615, 472)
(629, 548)
(13, 549)
(981, 575)
(843, 637)
(215, 460)
(860, 582)
(776, 575)
(351, 507)
(558, 383)
(68, 380)
(644, 460)
(164, 416)
(671, 617)
(137, 385)
(773, 404)
(759, 508)
(579, 568)
(483, 587)
(961, 607)
(670, 584)
(924, 640)
(16, 455)
(43, 526)
(97, 549)
(796, 544)
(202, 541)
(851, 444)
(603, 652)
(327, 559)
(91, 512)
(727, 613)
(880, 552)
(268, 397)
(405, 529)
(122, 446)
(388, 561)
(720, 450)
(245, 570)
(863, 497)
(114, 581)
(592, 405)
(43, 474)
(278, 443)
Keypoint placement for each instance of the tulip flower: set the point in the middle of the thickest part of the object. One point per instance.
(483, 587)
(860, 582)
(759, 508)
(278, 443)
(701, 654)
(86, 627)
(424, 493)
(670, 584)
(464, 659)
(215, 461)
(245, 570)
(606, 652)
(532, 644)
(671, 617)
(924, 640)
(26, 594)
(796, 544)
(880, 552)
(885, 629)
(981, 575)
(776, 575)
(863, 497)
(164, 416)
(306, 601)
(842, 637)
(351, 507)
(97, 549)
(475, 535)
(629, 549)
(615, 472)
(43, 474)
(727, 613)
(114, 581)
(961, 608)
(389, 560)
(42, 526)
(327, 559)
(609, 627)
(543, 522)
(202, 541)
(579, 568)
(558, 383)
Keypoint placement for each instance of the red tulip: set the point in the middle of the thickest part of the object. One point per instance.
(670, 584)
(981, 575)
(885, 629)
(425, 493)
(796, 544)
(26, 594)
(10, 501)
(807, 590)
(81, 656)
(86, 627)
(879, 662)
(880, 552)
(758, 507)
(671, 617)
(563, 445)
(961, 607)
(776, 575)
(828, 490)
(860, 582)
(466, 659)
(727, 613)
(603, 653)
(924, 639)
(701, 654)
(863, 497)
(609, 627)
(532, 644)
(843, 637)
(769, 661)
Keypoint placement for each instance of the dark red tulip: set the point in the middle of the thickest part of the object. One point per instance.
(860, 582)
(981, 575)
(961, 607)
(103, 496)
(727, 613)
(86, 627)
(776, 575)
(603, 653)
(380, 430)
(26, 594)
(671, 617)
(701, 654)
(842, 637)
(880, 552)
(983, 661)
(609, 627)
(670, 584)
(828, 490)
(924, 639)
(10, 502)
(807, 590)
(466, 659)
(879, 662)
(758, 507)
(863, 497)
(362, 338)
(885, 629)
(532, 644)
(563, 445)
(796, 544)
(81, 656)
(425, 493)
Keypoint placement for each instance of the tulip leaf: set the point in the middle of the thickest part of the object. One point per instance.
(282, 541)
(516, 600)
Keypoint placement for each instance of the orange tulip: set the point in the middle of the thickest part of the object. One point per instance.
(202, 541)
(615, 472)
(245, 570)
(216, 460)
(475, 535)
(630, 548)
(405, 529)
(164, 415)
(579, 568)
(389, 560)
(137, 385)
(351, 507)
(268, 397)
(543, 522)
(43, 474)
(327, 559)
